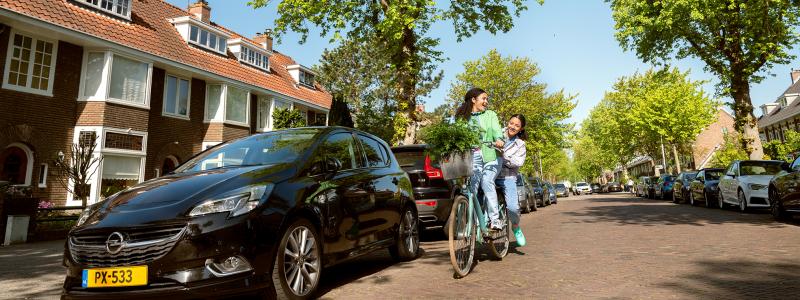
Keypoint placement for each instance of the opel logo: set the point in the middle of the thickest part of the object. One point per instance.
(115, 242)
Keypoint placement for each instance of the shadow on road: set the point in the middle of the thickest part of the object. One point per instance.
(740, 279)
(627, 210)
(32, 271)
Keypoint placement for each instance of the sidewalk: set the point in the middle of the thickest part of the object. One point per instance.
(32, 271)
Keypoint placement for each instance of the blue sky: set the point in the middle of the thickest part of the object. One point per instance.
(572, 41)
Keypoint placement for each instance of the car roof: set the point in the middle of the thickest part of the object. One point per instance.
(712, 169)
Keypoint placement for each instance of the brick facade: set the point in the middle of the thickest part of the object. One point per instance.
(713, 137)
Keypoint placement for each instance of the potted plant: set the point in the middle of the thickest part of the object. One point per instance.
(451, 144)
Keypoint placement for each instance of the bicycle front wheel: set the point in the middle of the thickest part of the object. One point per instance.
(500, 240)
(462, 237)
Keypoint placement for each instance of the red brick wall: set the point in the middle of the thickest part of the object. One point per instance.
(712, 136)
(43, 123)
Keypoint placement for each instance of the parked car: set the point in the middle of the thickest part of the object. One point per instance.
(432, 194)
(705, 187)
(745, 183)
(613, 187)
(680, 188)
(784, 198)
(569, 186)
(642, 186)
(663, 188)
(583, 188)
(550, 191)
(229, 220)
(651, 187)
(527, 199)
(539, 192)
(596, 188)
(561, 190)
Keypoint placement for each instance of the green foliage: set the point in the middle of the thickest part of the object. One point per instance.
(287, 118)
(446, 138)
(513, 89)
(776, 149)
(731, 150)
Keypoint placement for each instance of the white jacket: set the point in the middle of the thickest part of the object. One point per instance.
(514, 153)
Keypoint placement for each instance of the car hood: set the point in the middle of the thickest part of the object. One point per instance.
(758, 179)
(172, 197)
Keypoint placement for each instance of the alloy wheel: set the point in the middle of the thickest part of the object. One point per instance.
(301, 264)
(742, 202)
(410, 232)
(720, 202)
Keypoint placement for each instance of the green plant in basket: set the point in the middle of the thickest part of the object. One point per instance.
(447, 138)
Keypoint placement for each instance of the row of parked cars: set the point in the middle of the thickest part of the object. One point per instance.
(745, 184)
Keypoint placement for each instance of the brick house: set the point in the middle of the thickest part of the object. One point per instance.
(152, 83)
(706, 144)
(783, 114)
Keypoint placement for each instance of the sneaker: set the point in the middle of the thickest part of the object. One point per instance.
(519, 236)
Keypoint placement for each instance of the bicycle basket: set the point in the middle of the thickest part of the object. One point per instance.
(457, 165)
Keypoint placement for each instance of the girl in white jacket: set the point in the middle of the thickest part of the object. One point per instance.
(513, 157)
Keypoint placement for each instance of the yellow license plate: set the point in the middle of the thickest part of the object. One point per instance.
(115, 277)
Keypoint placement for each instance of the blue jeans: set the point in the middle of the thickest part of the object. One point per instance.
(484, 174)
(509, 187)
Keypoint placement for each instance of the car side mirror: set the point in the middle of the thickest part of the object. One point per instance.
(332, 164)
(731, 174)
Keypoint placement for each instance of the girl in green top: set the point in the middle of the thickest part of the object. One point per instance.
(485, 166)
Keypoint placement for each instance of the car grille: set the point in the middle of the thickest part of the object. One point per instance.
(140, 247)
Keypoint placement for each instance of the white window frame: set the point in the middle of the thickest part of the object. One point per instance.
(28, 89)
(220, 116)
(269, 103)
(105, 81)
(177, 95)
(97, 6)
(43, 177)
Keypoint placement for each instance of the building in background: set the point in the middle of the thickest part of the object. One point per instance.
(783, 114)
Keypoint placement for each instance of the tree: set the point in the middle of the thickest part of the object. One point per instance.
(731, 150)
(340, 113)
(783, 150)
(75, 171)
(589, 159)
(287, 118)
(400, 29)
(513, 89)
(737, 39)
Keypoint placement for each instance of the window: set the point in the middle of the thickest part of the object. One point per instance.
(16, 164)
(254, 58)
(307, 78)
(87, 138)
(176, 97)
(373, 151)
(340, 146)
(206, 39)
(43, 175)
(30, 65)
(108, 76)
(263, 117)
(124, 141)
(119, 173)
(121, 8)
(226, 103)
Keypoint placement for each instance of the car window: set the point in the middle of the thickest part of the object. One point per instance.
(690, 176)
(700, 176)
(713, 175)
(342, 147)
(759, 167)
(414, 158)
(372, 151)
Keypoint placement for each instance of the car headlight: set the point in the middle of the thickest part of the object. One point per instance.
(238, 202)
(756, 186)
(84, 215)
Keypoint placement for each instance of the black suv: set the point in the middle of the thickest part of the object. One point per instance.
(433, 194)
(268, 211)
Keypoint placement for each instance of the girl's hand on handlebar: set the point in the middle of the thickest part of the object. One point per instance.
(499, 144)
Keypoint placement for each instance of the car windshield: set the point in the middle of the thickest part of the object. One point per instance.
(410, 158)
(561, 186)
(690, 176)
(262, 149)
(760, 167)
(713, 174)
(582, 184)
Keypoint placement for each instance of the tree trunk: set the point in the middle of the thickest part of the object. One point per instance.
(653, 166)
(407, 65)
(677, 159)
(746, 123)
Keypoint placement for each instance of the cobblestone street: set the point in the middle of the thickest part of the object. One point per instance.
(597, 246)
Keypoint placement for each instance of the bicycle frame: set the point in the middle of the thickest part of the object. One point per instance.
(473, 213)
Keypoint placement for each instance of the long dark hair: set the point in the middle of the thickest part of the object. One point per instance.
(464, 112)
(522, 134)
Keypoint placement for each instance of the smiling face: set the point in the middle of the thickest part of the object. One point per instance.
(480, 103)
(514, 126)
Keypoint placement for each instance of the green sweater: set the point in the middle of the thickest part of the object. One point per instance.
(488, 126)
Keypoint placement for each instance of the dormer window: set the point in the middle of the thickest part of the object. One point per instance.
(202, 35)
(120, 8)
(302, 75)
(250, 53)
(306, 78)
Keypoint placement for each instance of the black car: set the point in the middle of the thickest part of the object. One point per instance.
(680, 188)
(539, 189)
(613, 187)
(651, 187)
(561, 190)
(268, 211)
(596, 188)
(705, 187)
(784, 198)
(433, 195)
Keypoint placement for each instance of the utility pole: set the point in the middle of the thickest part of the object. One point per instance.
(539, 156)
(663, 155)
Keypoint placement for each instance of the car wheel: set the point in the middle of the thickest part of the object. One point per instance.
(535, 205)
(706, 200)
(720, 201)
(406, 246)
(691, 198)
(674, 199)
(298, 265)
(778, 212)
(742, 202)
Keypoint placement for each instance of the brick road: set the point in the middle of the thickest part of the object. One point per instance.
(600, 246)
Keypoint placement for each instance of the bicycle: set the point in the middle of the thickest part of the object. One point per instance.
(464, 225)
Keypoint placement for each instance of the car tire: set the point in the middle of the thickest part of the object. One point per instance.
(674, 199)
(707, 202)
(535, 205)
(691, 198)
(776, 208)
(742, 202)
(298, 229)
(406, 246)
(720, 201)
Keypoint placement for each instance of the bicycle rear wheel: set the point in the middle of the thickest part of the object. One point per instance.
(500, 240)
(462, 237)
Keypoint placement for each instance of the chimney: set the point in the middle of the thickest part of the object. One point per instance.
(795, 75)
(201, 11)
(265, 39)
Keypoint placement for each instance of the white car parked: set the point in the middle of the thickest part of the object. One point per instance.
(583, 188)
(746, 183)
